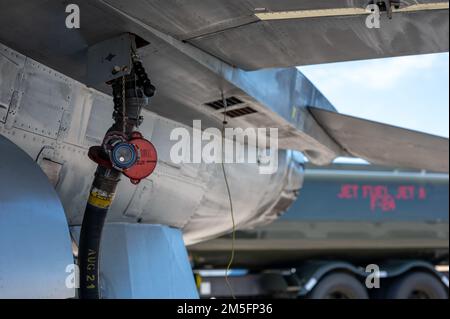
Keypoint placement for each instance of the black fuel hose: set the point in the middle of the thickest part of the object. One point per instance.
(100, 199)
(128, 99)
(88, 257)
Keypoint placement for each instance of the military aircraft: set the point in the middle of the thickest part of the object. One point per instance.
(78, 74)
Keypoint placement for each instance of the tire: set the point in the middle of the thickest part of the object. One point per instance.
(339, 286)
(417, 285)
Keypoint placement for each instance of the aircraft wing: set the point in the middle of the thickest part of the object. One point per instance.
(248, 34)
(256, 34)
(199, 51)
(385, 144)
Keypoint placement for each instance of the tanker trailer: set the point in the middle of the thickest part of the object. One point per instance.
(356, 231)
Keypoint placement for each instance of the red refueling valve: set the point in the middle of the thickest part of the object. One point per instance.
(134, 156)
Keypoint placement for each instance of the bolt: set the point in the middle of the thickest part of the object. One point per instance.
(116, 69)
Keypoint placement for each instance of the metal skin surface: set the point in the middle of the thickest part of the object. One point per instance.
(35, 243)
(185, 76)
(185, 63)
(191, 197)
(129, 249)
(383, 144)
(231, 31)
(59, 118)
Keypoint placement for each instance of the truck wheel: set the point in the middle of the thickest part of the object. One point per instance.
(339, 286)
(417, 285)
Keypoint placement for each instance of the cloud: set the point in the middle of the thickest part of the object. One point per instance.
(411, 92)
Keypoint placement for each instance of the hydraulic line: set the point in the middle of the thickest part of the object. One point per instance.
(130, 94)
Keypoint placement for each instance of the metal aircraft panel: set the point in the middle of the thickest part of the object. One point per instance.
(283, 43)
(35, 244)
(188, 196)
(188, 77)
(10, 73)
(230, 31)
(225, 29)
(385, 144)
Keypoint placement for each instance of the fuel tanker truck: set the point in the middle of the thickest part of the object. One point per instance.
(356, 232)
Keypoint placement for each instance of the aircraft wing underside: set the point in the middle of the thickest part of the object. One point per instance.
(200, 51)
(385, 144)
(248, 34)
(256, 34)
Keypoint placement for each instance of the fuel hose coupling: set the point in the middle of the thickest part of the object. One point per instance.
(134, 156)
(123, 152)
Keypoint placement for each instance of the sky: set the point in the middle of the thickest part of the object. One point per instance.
(410, 92)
